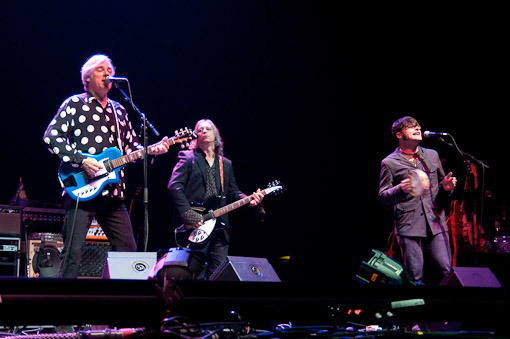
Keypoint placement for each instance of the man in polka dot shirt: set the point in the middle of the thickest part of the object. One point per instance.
(90, 123)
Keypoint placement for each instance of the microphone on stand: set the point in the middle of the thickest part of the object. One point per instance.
(429, 134)
(109, 79)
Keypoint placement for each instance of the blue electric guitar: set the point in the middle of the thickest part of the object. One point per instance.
(77, 182)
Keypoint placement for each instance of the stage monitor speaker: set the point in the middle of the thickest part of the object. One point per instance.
(471, 277)
(245, 269)
(129, 265)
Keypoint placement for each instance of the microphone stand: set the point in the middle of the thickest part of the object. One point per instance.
(145, 124)
(468, 160)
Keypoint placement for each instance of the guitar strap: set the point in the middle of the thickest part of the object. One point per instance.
(220, 159)
(117, 129)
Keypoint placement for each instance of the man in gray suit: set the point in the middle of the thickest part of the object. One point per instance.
(411, 179)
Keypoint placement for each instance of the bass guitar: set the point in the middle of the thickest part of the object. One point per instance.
(77, 182)
(200, 234)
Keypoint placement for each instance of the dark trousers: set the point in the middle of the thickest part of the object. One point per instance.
(215, 249)
(112, 216)
(435, 247)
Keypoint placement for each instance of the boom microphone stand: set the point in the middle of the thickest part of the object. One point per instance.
(468, 160)
(145, 124)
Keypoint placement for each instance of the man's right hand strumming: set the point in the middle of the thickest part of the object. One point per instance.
(91, 166)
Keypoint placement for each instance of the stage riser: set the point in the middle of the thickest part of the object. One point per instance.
(135, 303)
(121, 303)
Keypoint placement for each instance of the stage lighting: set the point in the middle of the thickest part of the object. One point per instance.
(180, 264)
(382, 270)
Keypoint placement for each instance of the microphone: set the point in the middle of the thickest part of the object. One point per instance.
(109, 79)
(428, 134)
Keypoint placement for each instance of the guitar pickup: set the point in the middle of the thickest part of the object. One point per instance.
(70, 181)
(108, 165)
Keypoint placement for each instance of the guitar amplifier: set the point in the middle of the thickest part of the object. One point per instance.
(95, 232)
(9, 256)
(43, 220)
(95, 252)
(10, 221)
(45, 263)
(43, 254)
(93, 259)
(44, 214)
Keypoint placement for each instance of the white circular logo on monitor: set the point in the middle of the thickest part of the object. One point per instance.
(140, 266)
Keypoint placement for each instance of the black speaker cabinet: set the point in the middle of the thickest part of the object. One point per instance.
(471, 277)
(245, 269)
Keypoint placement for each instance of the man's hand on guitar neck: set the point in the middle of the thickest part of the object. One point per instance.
(160, 147)
(257, 198)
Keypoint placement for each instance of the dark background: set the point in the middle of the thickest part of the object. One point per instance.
(302, 91)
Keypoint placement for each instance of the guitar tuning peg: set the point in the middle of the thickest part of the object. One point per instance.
(274, 183)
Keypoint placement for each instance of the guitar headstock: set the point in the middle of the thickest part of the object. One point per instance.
(184, 136)
(274, 187)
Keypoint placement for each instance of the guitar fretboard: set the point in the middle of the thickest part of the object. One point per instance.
(125, 159)
(234, 205)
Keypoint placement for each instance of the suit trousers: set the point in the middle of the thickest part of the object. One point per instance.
(112, 216)
(215, 249)
(434, 247)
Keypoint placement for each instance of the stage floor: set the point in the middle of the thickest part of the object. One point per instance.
(250, 309)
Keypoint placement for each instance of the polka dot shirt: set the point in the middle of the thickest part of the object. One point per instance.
(81, 125)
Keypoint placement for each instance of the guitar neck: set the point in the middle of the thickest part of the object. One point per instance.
(234, 205)
(133, 156)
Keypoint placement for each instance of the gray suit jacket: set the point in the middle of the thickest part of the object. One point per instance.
(413, 215)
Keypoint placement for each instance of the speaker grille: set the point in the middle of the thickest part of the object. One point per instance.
(10, 223)
(93, 259)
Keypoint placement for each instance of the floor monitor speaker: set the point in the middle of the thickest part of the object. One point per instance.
(471, 277)
(129, 265)
(245, 269)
